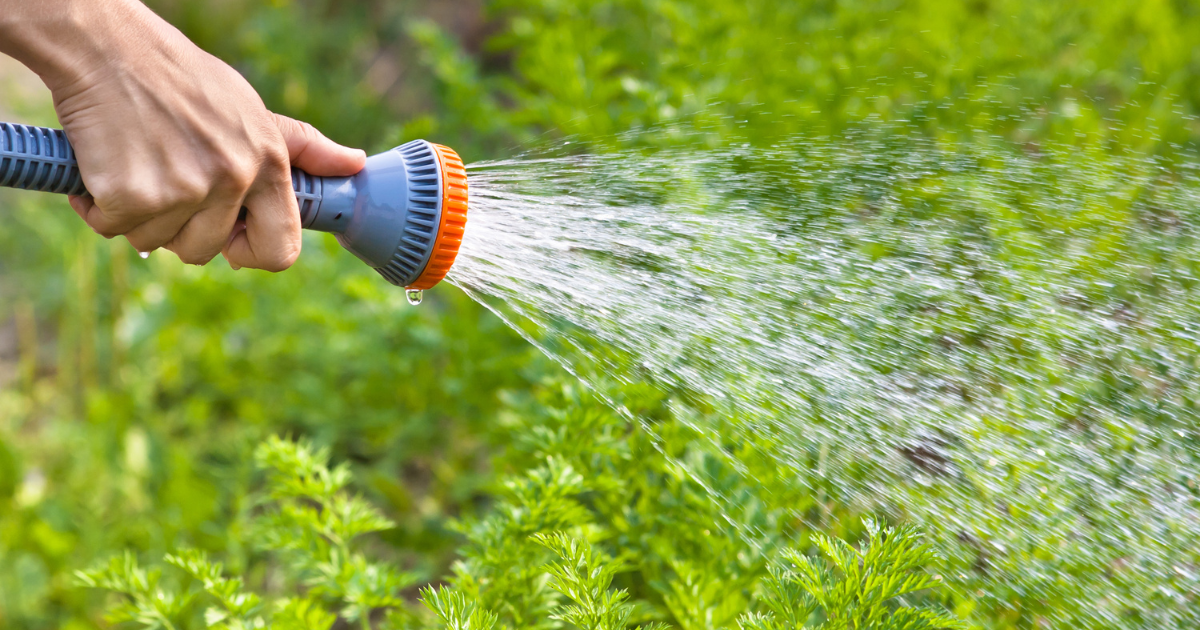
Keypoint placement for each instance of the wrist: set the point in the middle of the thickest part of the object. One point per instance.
(72, 42)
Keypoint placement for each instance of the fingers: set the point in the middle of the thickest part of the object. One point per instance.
(310, 151)
(271, 237)
(158, 231)
(147, 237)
(204, 235)
(197, 216)
(81, 205)
(238, 227)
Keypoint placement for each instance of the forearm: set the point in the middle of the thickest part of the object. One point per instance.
(69, 41)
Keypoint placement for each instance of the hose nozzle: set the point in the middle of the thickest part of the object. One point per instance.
(404, 214)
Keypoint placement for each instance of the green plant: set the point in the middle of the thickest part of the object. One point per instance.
(854, 588)
(310, 523)
(529, 565)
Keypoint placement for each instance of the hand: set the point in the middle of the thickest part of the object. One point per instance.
(172, 142)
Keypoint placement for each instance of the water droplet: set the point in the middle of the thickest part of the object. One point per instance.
(144, 255)
(414, 296)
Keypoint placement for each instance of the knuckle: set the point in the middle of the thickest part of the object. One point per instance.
(283, 259)
(240, 179)
(189, 192)
(111, 222)
(106, 231)
(234, 172)
(286, 125)
(190, 253)
(130, 202)
(139, 242)
(124, 198)
(305, 129)
(143, 244)
(134, 205)
(193, 257)
(277, 162)
(103, 189)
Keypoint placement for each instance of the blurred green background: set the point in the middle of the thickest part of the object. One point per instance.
(132, 392)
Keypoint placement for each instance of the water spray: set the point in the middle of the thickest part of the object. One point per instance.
(403, 214)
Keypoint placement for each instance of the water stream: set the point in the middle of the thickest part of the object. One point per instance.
(1001, 343)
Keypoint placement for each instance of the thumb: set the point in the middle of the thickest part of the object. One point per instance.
(310, 151)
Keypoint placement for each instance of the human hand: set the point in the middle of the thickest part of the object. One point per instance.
(172, 142)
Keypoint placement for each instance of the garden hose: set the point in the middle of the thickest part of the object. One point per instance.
(404, 214)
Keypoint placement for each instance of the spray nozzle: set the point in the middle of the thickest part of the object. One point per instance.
(404, 214)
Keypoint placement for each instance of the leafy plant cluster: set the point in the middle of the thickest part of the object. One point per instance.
(133, 393)
(542, 559)
(309, 522)
(1116, 74)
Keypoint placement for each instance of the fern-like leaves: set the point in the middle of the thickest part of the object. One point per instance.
(310, 522)
(853, 589)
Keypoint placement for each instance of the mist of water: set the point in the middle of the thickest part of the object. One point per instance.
(999, 343)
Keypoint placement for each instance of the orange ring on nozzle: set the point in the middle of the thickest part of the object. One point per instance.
(453, 222)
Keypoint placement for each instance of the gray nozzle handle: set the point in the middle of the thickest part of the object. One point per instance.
(41, 159)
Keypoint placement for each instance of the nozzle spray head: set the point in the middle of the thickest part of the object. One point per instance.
(404, 214)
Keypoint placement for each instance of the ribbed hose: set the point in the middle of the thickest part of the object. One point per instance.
(37, 158)
(41, 159)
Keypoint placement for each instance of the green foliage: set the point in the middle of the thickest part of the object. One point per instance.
(148, 604)
(583, 574)
(852, 588)
(522, 568)
(133, 393)
(1119, 73)
(310, 523)
(635, 540)
(502, 568)
(144, 387)
(313, 522)
(456, 611)
(235, 609)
